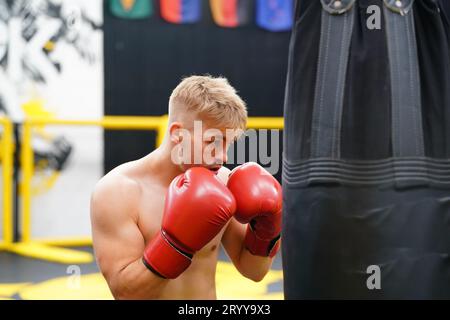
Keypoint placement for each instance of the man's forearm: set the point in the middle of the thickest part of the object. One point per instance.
(253, 267)
(135, 281)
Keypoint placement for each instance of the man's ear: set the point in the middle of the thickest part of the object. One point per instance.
(175, 132)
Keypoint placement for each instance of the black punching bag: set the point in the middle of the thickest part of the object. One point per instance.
(366, 168)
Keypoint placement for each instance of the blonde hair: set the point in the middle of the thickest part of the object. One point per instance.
(211, 98)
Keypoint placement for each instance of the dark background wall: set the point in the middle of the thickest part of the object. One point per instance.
(145, 59)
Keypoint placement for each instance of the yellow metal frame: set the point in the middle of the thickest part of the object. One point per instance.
(7, 150)
(50, 249)
(265, 123)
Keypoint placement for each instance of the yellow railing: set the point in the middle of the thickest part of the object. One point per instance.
(265, 123)
(44, 248)
(109, 122)
(50, 249)
(7, 149)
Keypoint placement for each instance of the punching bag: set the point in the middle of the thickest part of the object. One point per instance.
(366, 166)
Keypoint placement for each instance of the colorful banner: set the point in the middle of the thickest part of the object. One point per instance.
(275, 15)
(181, 11)
(131, 9)
(231, 13)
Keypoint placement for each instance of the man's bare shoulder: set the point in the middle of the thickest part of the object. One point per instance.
(117, 192)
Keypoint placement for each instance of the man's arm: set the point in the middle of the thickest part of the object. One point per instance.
(250, 266)
(118, 242)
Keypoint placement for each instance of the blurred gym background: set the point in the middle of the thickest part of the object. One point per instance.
(84, 86)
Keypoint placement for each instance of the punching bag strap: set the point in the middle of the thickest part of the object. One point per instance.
(407, 130)
(335, 39)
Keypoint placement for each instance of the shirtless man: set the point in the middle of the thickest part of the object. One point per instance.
(158, 222)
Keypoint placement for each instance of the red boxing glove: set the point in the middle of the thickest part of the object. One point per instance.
(259, 202)
(197, 207)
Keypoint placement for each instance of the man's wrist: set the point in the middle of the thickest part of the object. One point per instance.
(164, 259)
(261, 247)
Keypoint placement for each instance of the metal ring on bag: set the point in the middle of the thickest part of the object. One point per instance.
(337, 6)
(399, 6)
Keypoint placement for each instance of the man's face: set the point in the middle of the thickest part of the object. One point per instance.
(203, 144)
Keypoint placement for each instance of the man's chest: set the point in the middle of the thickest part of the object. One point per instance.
(151, 212)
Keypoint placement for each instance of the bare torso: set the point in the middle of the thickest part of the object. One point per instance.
(198, 281)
